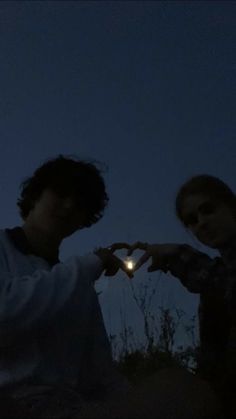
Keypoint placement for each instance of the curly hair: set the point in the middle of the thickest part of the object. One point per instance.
(66, 176)
(205, 185)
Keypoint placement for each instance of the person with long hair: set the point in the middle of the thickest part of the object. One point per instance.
(206, 206)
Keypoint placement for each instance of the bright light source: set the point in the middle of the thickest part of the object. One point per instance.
(129, 262)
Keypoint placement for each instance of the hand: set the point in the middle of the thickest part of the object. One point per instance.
(111, 262)
(159, 253)
(119, 246)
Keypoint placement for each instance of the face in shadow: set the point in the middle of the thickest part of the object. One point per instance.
(212, 223)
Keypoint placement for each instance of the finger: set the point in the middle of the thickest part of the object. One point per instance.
(152, 268)
(124, 268)
(142, 260)
(135, 246)
(111, 271)
(115, 264)
(158, 266)
(128, 272)
(118, 246)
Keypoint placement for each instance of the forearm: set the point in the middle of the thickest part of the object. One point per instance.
(29, 301)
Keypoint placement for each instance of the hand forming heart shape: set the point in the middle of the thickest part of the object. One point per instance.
(130, 263)
(161, 254)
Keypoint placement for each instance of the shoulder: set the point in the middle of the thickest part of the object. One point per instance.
(6, 246)
(3, 238)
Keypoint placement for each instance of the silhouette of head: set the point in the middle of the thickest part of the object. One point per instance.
(67, 176)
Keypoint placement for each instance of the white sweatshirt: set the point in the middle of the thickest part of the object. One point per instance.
(51, 325)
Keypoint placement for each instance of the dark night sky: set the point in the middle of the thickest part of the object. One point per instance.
(146, 87)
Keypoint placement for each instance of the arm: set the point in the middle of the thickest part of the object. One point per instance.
(29, 301)
(197, 271)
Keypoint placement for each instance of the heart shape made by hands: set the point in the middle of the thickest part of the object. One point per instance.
(132, 262)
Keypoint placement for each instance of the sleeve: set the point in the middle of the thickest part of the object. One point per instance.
(197, 271)
(29, 301)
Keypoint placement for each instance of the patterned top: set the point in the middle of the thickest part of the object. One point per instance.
(215, 280)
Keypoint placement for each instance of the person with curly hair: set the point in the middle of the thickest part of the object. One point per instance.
(52, 334)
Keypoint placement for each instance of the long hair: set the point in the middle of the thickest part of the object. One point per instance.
(206, 185)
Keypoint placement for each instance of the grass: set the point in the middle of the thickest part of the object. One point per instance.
(160, 332)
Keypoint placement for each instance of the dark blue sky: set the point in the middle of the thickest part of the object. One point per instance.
(146, 87)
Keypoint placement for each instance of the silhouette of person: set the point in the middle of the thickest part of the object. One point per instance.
(51, 326)
(55, 356)
(206, 206)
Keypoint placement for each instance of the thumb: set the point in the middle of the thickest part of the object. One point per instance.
(155, 265)
(152, 268)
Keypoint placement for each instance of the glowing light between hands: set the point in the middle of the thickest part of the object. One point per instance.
(129, 263)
